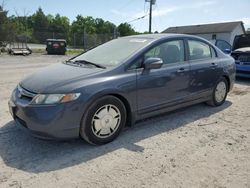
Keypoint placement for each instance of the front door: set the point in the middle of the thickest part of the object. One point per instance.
(157, 88)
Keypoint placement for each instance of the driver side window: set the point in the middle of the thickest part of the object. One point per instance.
(137, 64)
(154, 52)
(169, 52)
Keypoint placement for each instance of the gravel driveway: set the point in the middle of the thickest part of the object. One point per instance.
(199, 146)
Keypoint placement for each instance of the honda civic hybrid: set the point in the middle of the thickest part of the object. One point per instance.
(97, 93)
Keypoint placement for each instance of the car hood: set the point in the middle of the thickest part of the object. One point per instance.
(49, 78)
(245, 49)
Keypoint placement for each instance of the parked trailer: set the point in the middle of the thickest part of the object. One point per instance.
(19, 49)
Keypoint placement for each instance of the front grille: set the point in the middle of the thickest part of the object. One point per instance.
(242, 63)
(244, 58)
(25, 94)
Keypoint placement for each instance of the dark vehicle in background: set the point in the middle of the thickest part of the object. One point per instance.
(56, 46)
(97, 93)
(241, 54)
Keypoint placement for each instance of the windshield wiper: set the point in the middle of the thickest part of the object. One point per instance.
(86, 62)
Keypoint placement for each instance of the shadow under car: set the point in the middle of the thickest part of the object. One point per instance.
(22, 151)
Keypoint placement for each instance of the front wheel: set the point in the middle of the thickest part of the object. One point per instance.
(103, 121)
(219, 93)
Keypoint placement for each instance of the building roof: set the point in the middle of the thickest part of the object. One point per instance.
(206, 28)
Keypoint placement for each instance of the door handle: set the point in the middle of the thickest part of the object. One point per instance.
(180, 70)
(214, 65)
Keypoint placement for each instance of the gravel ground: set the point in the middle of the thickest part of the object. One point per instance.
(198, 146)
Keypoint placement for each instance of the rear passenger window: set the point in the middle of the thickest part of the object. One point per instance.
(198, 50)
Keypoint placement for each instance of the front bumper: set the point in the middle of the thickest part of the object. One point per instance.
(61, 121)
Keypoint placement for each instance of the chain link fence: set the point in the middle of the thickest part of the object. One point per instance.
(74, 40)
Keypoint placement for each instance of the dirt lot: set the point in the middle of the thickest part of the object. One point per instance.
(198, 146)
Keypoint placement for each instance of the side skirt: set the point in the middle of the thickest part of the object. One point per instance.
(171, 108)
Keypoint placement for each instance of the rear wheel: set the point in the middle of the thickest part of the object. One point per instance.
(103, 121)
(219, 93)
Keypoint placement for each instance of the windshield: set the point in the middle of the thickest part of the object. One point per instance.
(114, 52)
(241, 41)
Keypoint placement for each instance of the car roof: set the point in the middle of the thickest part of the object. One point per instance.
(160, 36)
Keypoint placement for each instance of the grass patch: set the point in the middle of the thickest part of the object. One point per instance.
(74, 51)
(40, 51)
(68, 52)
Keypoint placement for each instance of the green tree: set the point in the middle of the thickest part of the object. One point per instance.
(40, 25)
(40, 22)
(3, 24)
(83, 24)
(126, 29)
(104, 26)
(58, 24)
(20, 24)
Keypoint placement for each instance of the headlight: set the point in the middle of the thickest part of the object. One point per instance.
(54, 98)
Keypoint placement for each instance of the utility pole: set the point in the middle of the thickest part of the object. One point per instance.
(151, 2)
(150, 16)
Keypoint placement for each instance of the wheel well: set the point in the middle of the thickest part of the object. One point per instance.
(228, 82)
(128, 108)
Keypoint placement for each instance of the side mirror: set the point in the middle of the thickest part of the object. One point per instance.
(152, 63)
(227, 51)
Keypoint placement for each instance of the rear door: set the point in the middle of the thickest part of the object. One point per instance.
(204, 67)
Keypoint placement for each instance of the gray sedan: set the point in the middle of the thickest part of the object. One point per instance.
(94, 95)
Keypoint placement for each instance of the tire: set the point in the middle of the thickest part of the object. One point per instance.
(30, 50)
(103, 120)
(219, 94)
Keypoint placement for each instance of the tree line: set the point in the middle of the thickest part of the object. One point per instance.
(38, 26)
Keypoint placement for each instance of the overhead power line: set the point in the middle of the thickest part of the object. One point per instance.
(138, 18)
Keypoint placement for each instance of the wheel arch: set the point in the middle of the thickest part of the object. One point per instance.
(121, 97)
(127, 106)
(228, 81)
